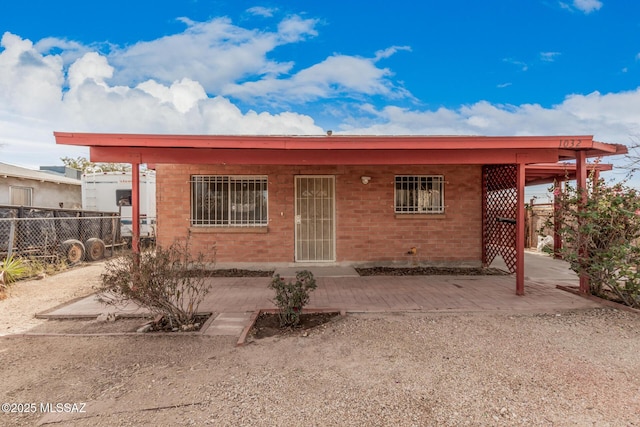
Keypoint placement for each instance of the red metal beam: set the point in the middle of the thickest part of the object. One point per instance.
(581, 186)
(135, 207)
(557, 221)
(314, 157)
(520, 230)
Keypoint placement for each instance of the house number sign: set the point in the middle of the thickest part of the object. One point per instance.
(570, 143)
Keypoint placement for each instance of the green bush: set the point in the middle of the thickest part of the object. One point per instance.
(600, 228)
(291, 297)
(166, 281)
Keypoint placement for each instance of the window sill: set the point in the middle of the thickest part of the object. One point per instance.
(420, 216)
(230, 230)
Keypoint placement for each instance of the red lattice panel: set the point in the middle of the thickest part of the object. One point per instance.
(500, 204)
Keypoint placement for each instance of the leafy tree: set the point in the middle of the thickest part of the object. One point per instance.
(82, 164)
(600, 228)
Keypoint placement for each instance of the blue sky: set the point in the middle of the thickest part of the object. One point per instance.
(494, 67)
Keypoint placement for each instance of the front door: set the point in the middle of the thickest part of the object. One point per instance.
(315, 218)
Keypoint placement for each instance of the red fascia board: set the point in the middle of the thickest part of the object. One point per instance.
(335, 142)
(613, 149)
(315, 157)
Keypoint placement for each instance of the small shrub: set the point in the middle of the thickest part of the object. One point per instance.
(35, 267)
(292, 297)
(166, 281)
(11, 269)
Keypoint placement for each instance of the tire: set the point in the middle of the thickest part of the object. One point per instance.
(73, 251)
(94, 249)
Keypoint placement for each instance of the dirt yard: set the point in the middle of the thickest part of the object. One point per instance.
(571, 368)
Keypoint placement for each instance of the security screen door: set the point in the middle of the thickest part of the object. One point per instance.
(315, 218)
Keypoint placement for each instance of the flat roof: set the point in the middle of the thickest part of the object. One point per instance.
(7, 170)
(335, 149)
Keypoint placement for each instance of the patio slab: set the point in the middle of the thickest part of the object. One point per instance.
(384, 293)
(228, 324)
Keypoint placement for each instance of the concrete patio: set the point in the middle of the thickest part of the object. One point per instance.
(340, 290)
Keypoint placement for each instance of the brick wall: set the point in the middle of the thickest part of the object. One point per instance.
(367, 229)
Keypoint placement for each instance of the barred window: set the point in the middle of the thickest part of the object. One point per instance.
(229, 200)
(419, 194)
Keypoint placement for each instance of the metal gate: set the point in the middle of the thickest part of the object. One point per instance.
(499, 210)
(315, 218)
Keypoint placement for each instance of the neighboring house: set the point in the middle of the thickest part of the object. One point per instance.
(296, 200)
(63, 170)
(26, 187)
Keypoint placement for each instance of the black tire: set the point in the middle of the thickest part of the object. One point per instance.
(94, 249)
(73, 250)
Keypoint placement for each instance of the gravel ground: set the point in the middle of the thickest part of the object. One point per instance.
(421, 369)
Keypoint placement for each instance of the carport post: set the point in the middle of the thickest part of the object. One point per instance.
(557, 219)
(135, 207)
(520, 230)
(581, 186)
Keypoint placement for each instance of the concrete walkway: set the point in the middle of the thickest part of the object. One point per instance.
(234, 298)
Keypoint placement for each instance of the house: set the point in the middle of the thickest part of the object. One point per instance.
(67, 171)
(281, 200)
(26, 187)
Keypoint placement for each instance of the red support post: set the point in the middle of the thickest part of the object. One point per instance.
(520, 230)
(557, 219)
(135, 207)
(581, 187)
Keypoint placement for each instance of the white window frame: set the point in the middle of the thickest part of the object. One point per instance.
(418, 194)
(27, 192)
(227, 205)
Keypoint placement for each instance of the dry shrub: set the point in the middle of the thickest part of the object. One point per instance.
(167, 281)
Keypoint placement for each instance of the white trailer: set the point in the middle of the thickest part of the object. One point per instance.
(111, 191)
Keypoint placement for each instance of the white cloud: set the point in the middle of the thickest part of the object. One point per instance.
(294, 29)
(35, 100)
(213, 53)
(262, 11)
(587, 6)
(29, 82)
(183, 95)
(584, 6)
(522, 65)
(549, 56)
(338, 75)
(386, 53)
(609, 117)
(91, 66)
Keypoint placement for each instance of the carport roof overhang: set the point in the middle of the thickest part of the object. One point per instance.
(548, 173)
(335, 149)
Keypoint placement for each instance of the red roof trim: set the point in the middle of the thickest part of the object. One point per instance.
(335, 142)
(126, 147)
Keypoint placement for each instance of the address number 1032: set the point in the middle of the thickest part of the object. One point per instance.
(570, 143)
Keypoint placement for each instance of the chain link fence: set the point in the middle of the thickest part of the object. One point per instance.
(58, 234)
